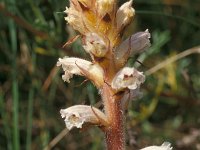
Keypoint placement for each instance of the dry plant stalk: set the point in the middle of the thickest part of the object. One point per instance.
(101, 25)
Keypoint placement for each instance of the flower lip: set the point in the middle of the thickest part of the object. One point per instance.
(70, 66)
(72, 120)
(127, 78)
(78, 115)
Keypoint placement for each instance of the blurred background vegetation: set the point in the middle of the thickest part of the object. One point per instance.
(32, 33)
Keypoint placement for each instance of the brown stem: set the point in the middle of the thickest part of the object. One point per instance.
(115, 137)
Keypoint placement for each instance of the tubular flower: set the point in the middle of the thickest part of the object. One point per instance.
(124, 15)
(78, 115)
(164, 146)
(127, 78)
(81, 67)
(95, 45)
(136, 43)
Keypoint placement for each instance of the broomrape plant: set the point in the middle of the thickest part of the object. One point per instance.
(101, 25)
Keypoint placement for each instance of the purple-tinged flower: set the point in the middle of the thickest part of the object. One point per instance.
(136, 43)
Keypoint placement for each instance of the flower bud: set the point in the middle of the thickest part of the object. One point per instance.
(127, 78)
(164, 146)
(136, 43)
(95, 45)
(78, 115)
(124, 15)
(81, 67)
